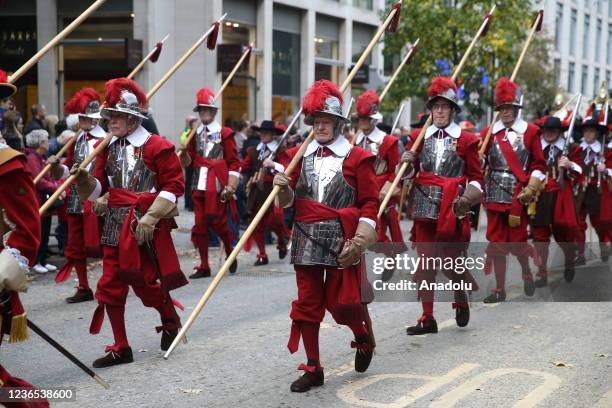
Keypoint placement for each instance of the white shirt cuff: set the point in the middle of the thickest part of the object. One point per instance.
(609, 172)
(235, 174)
(66, 172)
(96, 193)
(576, 168)
(476, 184)
(167, 195)
(538, 174)
(369, 221)
(279, 168)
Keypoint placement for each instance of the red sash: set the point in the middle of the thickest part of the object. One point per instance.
(447, 221)
(516, 208)
(130, 253)
(217, 169)
(565, 214)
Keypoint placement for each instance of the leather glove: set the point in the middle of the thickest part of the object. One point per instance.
(228, 191)
(285, 193)
(101, 205)
(528, 193)
(183, 155)
(145, 229)
(85, 183)
(470, 197)
(408, 157)
(385, 189)
(12, 275)
(352, 250)
(57, 170)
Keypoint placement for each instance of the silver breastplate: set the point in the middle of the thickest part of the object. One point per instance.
(328, 234)
(126, 169)
(590, 160)
(209, 147)
(501, 182)
(552, 157)
(82, 147)
(439, 158)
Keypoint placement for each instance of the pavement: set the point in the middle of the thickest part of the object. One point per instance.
(514, 354)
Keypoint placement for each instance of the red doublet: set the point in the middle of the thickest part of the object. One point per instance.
(83, 236)
(321, 287)
(19, 203)
(209, 211)
(128, 264)
(448, 228)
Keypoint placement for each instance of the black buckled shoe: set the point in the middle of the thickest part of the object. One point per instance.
(604, 250)
(233, 266)
(169, 331)
(363, 353)
(580, 260)
(387, 274)
(569, 273)
(541, 282)
(81, 295)
(261, 260)
(282, 251)
(312, 377)
(200, 273)
(462, 314)
(121, 356)
(425, 325)
(496, 297)
(528, 286)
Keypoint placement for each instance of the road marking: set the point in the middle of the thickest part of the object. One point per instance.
(343, 369)
(537, 395)
(605, 401)
(348, 392)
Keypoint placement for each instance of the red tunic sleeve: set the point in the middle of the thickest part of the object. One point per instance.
(367, 190)
(162, 160)
(247, 162)
(19, 200)
(469, 153)
(532, 142)
(230, 151)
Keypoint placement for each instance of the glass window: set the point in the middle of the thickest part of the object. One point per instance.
(326, 48)
(609, 57)
(596, 80)
(608, 78)
(598, 41)
(585, 37)
(285, 74)
(573, 27)
(571, 75)
(366, 4)
(557, 65)
(585, 76)
(558, 26)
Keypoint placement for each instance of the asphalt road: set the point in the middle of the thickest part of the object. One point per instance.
(515, 354)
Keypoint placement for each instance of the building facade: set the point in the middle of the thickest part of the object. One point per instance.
(295, 43)
(581, 31)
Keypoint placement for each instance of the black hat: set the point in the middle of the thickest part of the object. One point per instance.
(553, 122)
(593, 123)
(385, 127)
(269, 125)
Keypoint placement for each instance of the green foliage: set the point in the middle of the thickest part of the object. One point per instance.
(446, 28)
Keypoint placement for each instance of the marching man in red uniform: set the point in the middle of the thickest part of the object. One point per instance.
(516, 168)
(386, 149)
(143, 177)
(555, 213)
(83, 227)
(336, 200)
(213, 155)
(257, 161)
(447, 184)
(594, 195)
(20, 228)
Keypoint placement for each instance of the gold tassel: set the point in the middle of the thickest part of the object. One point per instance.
(514, 221)
(19, 329)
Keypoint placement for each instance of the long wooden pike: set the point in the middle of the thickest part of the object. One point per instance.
(224, 85)
(59, 37)
(106, 141)
(480, 33)
(264, 207)
(152, 55)
(536, 26)
(406, 60)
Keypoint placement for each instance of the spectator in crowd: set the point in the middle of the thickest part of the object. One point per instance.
(6, 105)
(251, 140)
(13, 126)
(240, 135)
(51, 122)
(190, 122)
(37, 146)
(39, 112)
